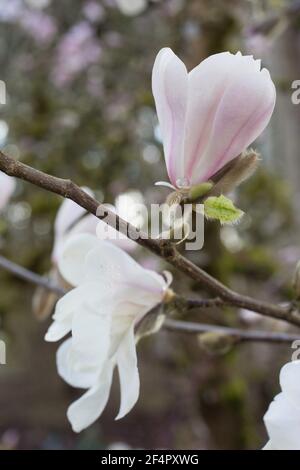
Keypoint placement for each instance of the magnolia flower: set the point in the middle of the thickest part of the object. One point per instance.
(72, 219)
(210, 115)
(7, 187)
(112, 295)
(282, 419)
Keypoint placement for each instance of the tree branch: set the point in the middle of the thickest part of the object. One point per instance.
(162, 248)
(27, 275)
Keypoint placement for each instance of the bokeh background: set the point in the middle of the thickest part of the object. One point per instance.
(79, 105)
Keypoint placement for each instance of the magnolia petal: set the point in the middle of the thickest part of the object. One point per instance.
(87, 224)
(7, 187)
(71, 262)
(169, 85)
(110, 265)
(165, 184)
(58, 330)
(87, 409)
(243, 112)
(125, 317)
(91, 336)
(282, 421)
(67, 305)
(63, 315)
(106, 232)
(206, 85)
(71, 369)
(128, 373)
(68, 214)
(290, 381)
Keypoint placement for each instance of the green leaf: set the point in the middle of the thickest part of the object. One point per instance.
(222, 209)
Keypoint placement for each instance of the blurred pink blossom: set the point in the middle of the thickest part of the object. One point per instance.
(93, 11)
(40, 26)
(77, 49)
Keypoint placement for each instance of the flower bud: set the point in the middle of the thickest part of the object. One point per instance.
(238, 171)
(199, 190)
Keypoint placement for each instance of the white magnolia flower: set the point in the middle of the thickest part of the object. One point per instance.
(7, 187)
(112, 294)
(282, 419)
(210, 115)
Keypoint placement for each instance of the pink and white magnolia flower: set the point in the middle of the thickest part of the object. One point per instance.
(210, 115)
(282, 419)
(112, 294)
(7, 187)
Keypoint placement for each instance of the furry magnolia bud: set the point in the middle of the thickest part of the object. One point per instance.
(240, 169)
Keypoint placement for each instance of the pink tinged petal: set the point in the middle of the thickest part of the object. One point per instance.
(290, 381)
(242, 114)
(170, 86)
(7, 187)
(85, 411)
(71, 261)
(206, 85)
(282, 421)
(128, 373)
(72, 370)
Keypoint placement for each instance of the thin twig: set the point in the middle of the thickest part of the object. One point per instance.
(204, 303)
(162, 248)
(239, 335)
(27, 275)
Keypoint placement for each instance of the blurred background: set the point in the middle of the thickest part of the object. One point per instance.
(79, 105)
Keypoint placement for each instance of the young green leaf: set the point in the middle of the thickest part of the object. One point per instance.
(222, 209)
